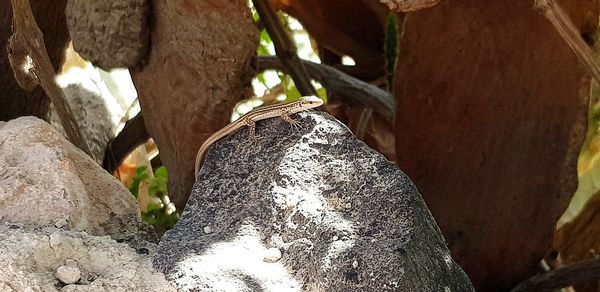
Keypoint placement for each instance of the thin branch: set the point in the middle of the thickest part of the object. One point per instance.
(31, 66)
(363, 122)
(567, 30)
(133, 135)
(284, 47)
(340, 84)
(583, 271)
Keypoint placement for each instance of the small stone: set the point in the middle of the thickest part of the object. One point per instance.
(348, 206)
(3, 285)
(272, 255)
(335, 238)
(208, 229)
(68, 275)
(61, 223)
(355, 264)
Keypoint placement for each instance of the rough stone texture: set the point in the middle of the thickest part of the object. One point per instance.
(68, 275)
(111, 33)
(92, 116)
(344, 217)
(50, 17)
(408, 5)
(30, 258)
(196, 72)
(45, 180)
(491, 114)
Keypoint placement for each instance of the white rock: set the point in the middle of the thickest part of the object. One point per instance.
(272, 255)
(60, 223)
(68, 275)
(208, 229)
(3, 285)
(28, 261)
(44, 179)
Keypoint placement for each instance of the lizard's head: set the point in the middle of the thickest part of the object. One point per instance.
(311, 101)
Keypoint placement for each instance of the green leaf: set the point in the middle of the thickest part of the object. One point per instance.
(261, 78)
(140, 176)
(322, 94)
(289, 88)
(161, 172)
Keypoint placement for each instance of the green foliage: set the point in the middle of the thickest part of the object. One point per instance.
(322, 93)
(140, 175)
(162, 214)
(391, 49)
(266, 48)
(289, 88)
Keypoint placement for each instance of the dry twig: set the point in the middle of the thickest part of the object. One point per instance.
(342, 84)
(564, 277)
(284, 47)
(31, 66)
(567, 30)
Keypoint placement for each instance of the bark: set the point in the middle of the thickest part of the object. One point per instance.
(14, 101)
(353, 28)
(346, 27)
(198, 68)
(491, 113)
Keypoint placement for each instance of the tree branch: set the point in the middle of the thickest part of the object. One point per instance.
(341, 84)
(133, 135)
(284, 47)
(564, 277)
(567, 30)
(31, 66)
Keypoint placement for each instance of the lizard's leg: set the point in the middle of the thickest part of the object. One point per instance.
(252, 126)
(254, 138)
(285, 115)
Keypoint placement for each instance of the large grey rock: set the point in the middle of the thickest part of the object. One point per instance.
(45, 180)
(111, 33)
(35, 260)
(343, 217)
(92, 116)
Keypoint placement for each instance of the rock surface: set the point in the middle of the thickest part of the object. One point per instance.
(45, 181)
(30, 258)
(68, 275)
(198, 70)
(110, 34)
(92, 115)
(343, 217)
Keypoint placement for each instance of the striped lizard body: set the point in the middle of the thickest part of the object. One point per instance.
(279, 110)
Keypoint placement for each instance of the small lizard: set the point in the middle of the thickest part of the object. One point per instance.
(280, 110)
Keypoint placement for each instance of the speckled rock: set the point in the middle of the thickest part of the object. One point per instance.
(30, 258)
(92, 116)
(343, 217)
(46, 181)
(111, 33)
